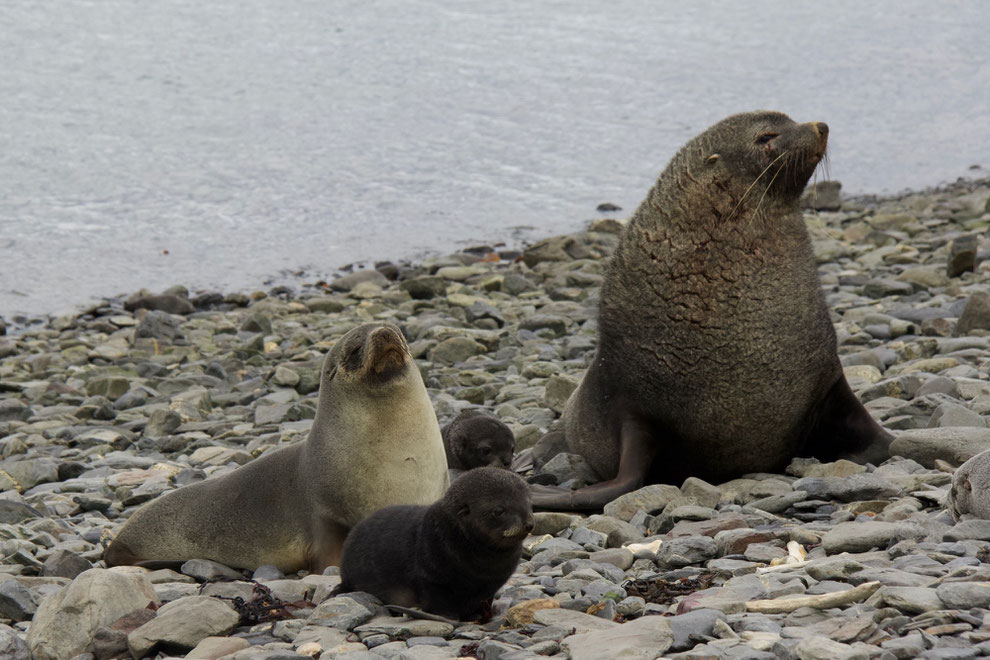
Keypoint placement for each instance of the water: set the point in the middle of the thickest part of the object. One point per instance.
(251, 137)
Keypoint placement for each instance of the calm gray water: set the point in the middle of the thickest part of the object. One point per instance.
(252, 137)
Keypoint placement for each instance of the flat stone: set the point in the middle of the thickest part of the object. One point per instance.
(576, 622)
(911, 600)
(964, 595)
(688, 628)
(205, 569)
(687, 550)
(955, 445)
(183, 624)
(340, 612)
(965, 530)
(851, 488)
(213, 648)
(646, 638)
(817, 647)
(652, 499)
(864, 536)
(405, 627)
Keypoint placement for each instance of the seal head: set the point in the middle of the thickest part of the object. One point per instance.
(475, 438)
(970, 491)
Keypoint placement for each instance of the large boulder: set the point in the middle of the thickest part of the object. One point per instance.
(66, 620)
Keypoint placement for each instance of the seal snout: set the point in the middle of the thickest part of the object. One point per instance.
(387, 350)
(821, 128)
(522, 530)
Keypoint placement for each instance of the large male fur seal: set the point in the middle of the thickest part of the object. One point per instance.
(970, 491)
(475, 438)
(716, 354)
(448, 558)
(375, 442)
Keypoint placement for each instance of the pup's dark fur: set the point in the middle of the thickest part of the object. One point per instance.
(475, 438)
(448, 558)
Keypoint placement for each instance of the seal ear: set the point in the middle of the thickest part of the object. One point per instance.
(331, 373)
(711, 160)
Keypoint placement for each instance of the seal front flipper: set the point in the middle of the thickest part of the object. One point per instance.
(637, 448)
(846, 430)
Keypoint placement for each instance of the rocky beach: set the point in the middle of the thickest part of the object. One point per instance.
(107, 409)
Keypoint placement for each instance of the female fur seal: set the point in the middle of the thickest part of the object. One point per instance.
(475, 438)
(716, 354)
(448, 558)
(375, 442)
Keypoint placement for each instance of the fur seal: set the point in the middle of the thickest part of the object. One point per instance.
(970, 491)
(716, 353)
(475, 438)
(375, 442)
(448, 558)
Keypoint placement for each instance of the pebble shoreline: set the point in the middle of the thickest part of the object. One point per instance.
(103, 411)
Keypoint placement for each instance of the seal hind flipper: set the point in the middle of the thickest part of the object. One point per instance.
(638, 446)
(845, 429)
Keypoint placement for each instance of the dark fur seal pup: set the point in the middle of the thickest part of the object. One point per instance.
(970, 491)
(448, 558)
(475, 438)
(716, 354)
(375, 442)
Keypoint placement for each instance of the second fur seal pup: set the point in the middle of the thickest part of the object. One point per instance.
(448, 558)
(375, 441)
(970, 491)
(716, 353)
(475, 438)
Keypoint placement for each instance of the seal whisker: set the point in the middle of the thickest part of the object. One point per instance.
(765, 190)
(760, 176)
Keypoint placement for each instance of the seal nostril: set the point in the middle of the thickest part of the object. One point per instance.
(822, 128)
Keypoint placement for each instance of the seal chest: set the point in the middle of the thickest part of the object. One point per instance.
(716, 354)
(375, 442)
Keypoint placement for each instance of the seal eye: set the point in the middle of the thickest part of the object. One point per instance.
(498, 512)
(485, 451)
(766, 137)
